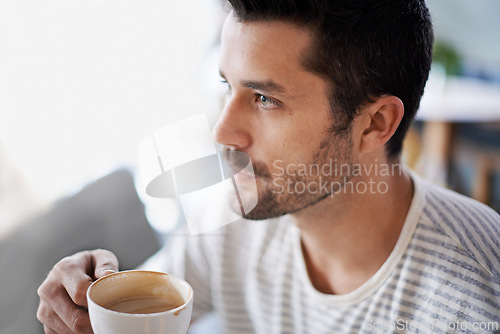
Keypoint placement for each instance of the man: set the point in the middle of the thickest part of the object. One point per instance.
(320, 95)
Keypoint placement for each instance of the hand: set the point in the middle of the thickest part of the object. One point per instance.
(63, 294)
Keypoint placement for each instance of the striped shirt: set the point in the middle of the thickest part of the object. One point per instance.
(443, 275)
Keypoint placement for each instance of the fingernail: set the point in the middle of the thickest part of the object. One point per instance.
(109, 271)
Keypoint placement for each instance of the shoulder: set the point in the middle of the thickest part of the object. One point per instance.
(474, 226)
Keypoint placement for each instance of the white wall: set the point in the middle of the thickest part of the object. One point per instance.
(472, 27)
(82, 82)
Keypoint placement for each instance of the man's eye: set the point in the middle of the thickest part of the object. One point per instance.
(226, 85)
(265, 101)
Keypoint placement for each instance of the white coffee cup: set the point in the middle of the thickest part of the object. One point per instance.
(138, 302)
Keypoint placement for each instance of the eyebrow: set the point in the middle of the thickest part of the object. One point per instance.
(267, 86)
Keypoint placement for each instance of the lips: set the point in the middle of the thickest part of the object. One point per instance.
(238, 162)
(244, 177)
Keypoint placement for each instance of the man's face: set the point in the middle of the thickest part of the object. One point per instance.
(279, 114)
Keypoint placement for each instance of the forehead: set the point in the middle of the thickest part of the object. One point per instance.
(264, 31)
(272, 48)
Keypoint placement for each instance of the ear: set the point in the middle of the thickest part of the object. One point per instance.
(382, 119)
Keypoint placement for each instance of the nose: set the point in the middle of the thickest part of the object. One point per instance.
(233, 126)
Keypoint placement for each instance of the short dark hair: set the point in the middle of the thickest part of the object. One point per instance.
(363, 48)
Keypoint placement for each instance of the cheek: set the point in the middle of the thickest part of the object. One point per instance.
(280, 138)
(309, 132)
(295, 132)
(294, 143)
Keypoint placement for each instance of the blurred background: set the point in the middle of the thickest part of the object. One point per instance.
(83, 82)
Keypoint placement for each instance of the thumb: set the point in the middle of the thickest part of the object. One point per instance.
(105, 263)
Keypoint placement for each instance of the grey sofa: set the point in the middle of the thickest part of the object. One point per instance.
(105, 214)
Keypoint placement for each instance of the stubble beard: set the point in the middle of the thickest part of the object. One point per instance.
(274, 202)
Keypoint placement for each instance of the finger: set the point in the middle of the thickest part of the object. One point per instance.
(51, 322)
(60, 313)
(105, 263)
(48, 330)
(73, 274)
(77, 272)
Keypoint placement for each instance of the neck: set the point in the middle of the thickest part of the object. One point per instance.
(348, 236)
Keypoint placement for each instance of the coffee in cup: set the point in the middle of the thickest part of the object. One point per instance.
(140, 302)
(144, 304)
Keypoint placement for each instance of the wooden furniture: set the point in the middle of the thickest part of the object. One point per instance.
(445, 105)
